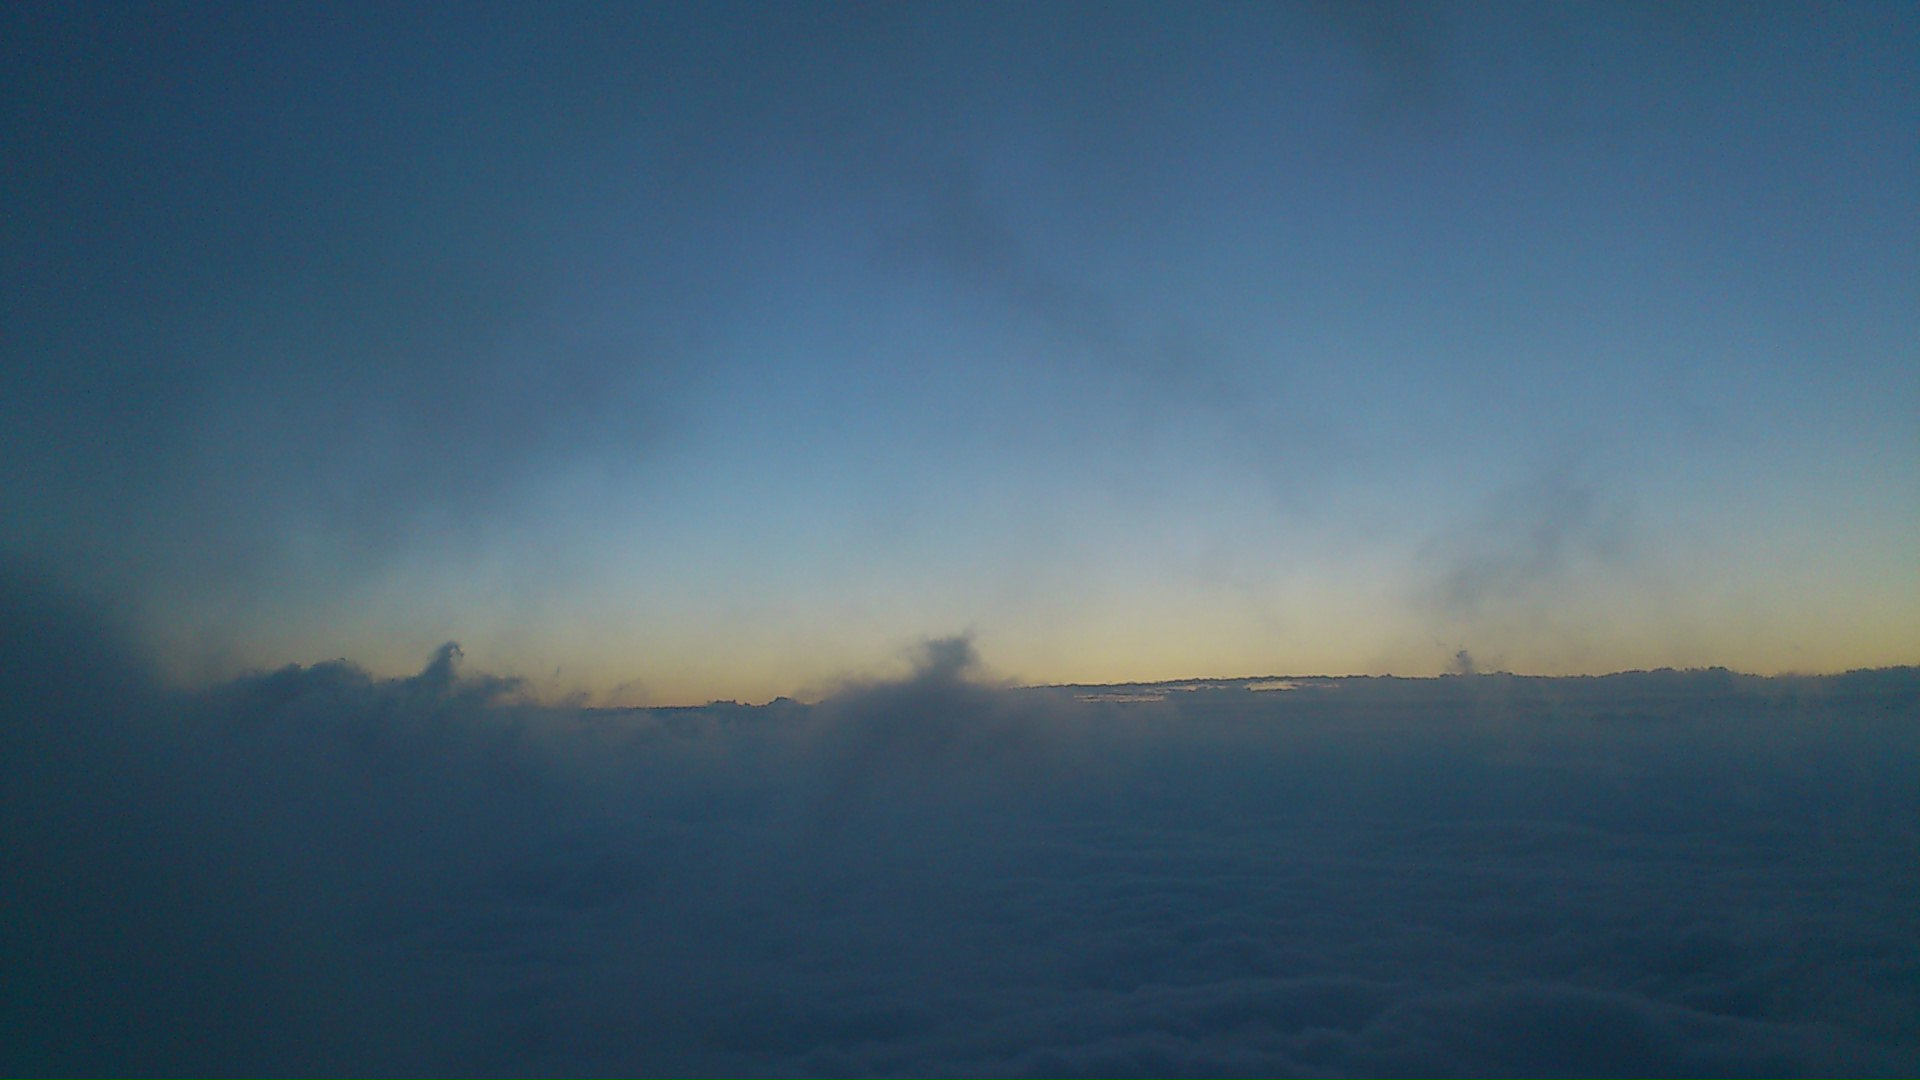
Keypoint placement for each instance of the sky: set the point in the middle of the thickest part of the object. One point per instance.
(668, 353)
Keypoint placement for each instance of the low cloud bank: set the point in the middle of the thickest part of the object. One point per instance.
(314, 870)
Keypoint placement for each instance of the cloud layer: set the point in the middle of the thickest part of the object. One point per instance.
(316, 870)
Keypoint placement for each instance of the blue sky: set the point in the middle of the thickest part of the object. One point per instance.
(666, 354)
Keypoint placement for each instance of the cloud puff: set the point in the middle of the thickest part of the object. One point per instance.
(313, 869)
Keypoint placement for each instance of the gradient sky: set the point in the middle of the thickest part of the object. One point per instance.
(666, 353)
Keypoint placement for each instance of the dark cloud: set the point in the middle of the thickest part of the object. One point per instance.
(938, 727)
(313, 869)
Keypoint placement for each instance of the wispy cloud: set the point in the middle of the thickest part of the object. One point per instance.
(1506, 573)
